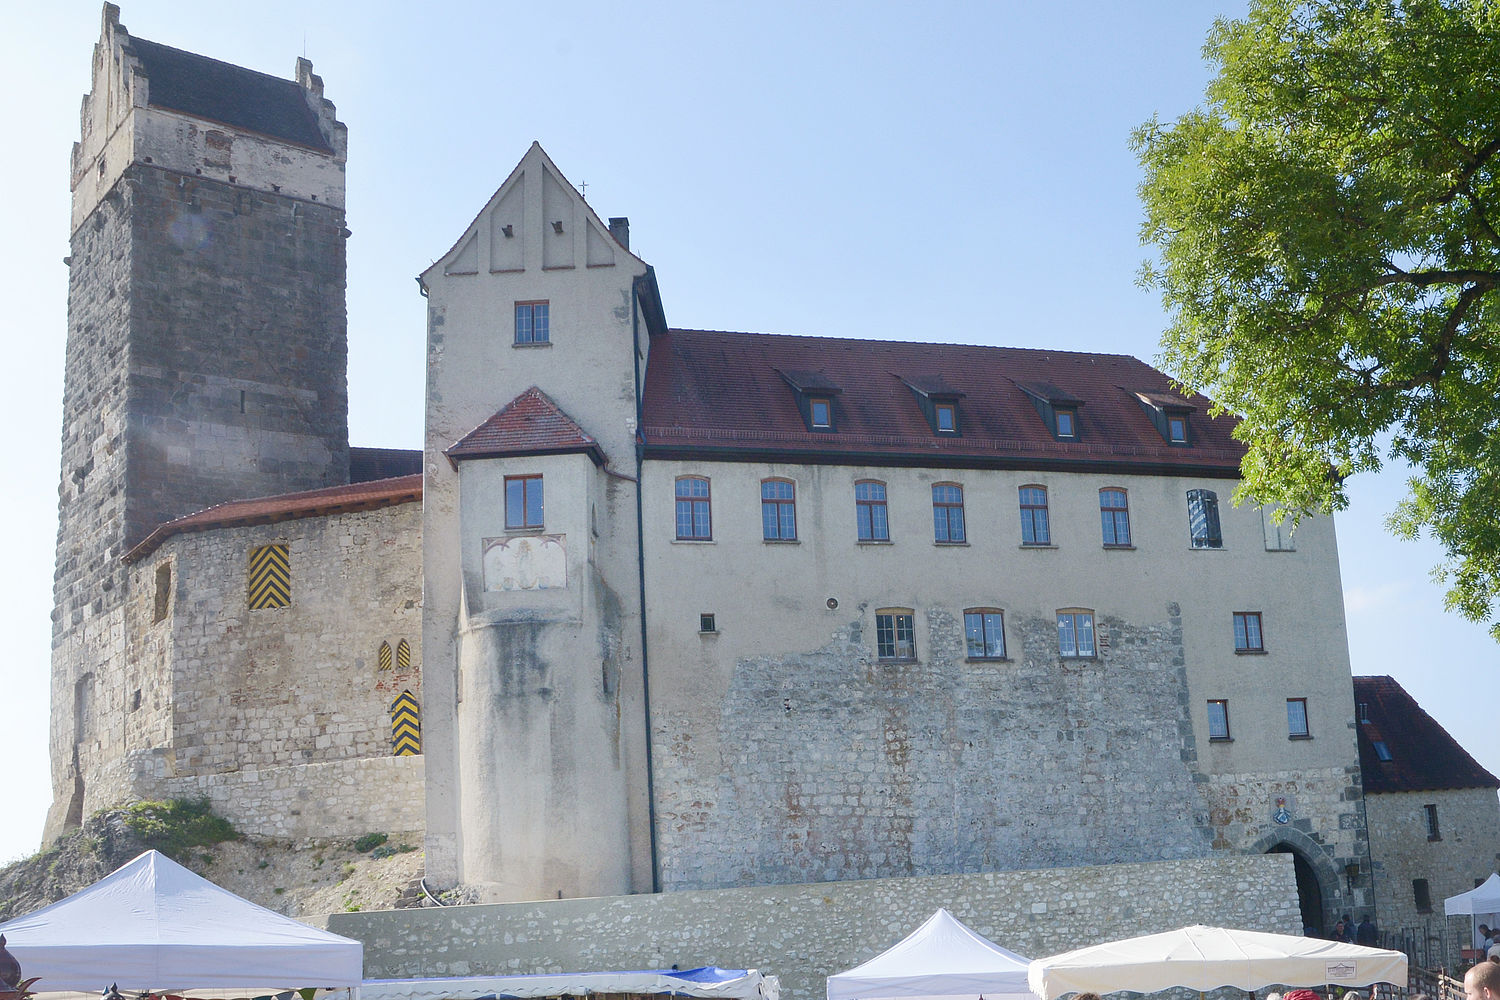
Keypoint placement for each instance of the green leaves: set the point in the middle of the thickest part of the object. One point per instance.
(1329, 258)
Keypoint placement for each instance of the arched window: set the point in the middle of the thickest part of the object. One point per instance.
(385, 656)
(778, 510)
(1114, 517)
(694, 522)
(403, 655)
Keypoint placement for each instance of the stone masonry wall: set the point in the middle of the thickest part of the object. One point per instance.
(300, 684)
(238, 384)
(934, 766)
(803, 933)
(89, 580)
(1468, 850)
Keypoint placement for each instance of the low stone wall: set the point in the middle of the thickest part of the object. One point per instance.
(343, 798)
(803, 933)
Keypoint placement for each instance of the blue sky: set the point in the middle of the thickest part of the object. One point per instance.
(944, 172)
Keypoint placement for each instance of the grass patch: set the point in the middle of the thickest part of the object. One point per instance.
(177, 825)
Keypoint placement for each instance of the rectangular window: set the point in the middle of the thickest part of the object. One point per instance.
(947, 512)
(1218, 719)
(1067, 423)
(270, 578)
(706, 623)
(1278, 536)
(1075, 633)
(1296, 719)
(1247, 635)
(1114, 517)
(1421, 895)
(893, 635)
(821, 413)
(778, 510)
(1429, 813)
(1203, 519)
(532, 325)
(1382, 752)
(523, 502)
(1177, 429)
(870, 512)
(946, 415)
(984, 631)
(1034, 527)
(693, 521)
(163, 601)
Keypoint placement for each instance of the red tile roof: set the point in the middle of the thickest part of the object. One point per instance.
(285, 507)
(530, 424)
(727, 395)
(1423, 756)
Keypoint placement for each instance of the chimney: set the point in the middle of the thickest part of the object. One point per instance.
(619, 228)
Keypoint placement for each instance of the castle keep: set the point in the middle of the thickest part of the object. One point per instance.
(654, 609)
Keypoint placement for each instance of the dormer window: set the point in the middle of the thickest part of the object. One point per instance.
(820, 412)
(814, 393)
(1058, 409)
(1169, 413)
(938, 401)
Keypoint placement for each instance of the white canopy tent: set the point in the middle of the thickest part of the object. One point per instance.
(154, 925)
(709, 983)
(1205, 958)
(1480, 904)
(942, 958)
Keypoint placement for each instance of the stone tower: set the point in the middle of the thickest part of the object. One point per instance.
(206, 356)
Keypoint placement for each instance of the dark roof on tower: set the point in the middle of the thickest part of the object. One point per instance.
(366, 464)
(530, 424)
(734, 396)
(231, 95)
(1423, 756)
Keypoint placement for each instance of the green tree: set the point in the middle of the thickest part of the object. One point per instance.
(1328, 253)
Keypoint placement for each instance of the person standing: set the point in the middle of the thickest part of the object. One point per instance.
(1365, 933)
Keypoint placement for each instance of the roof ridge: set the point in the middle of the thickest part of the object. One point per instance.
(915, 343)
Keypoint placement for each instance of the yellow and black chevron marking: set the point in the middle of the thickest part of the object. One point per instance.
(406, 726)
(403, 655)
(270, 578)
(385, 656)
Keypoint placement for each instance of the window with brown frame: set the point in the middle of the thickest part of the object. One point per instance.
(778, 510)
(948, 513)
(945, 415)
(895, 634)
(523, 502)
(1296, 719)
(1248, 637)
(820, 412)
(870, 511)
(1114, 517)
(1035, 529)
(533, 325)
(694, 517)
(1075, 632)
(1067, 422)
(984, 633)
(1218, 719)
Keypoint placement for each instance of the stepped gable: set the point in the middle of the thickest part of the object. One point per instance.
(1423, 756)
(286, 507)
(231, 95)
(733, 396)
(530, 424)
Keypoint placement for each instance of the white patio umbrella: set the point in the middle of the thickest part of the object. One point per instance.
(1205, 958)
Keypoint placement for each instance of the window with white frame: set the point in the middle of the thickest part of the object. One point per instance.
(1075, 632)
(894, 634)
